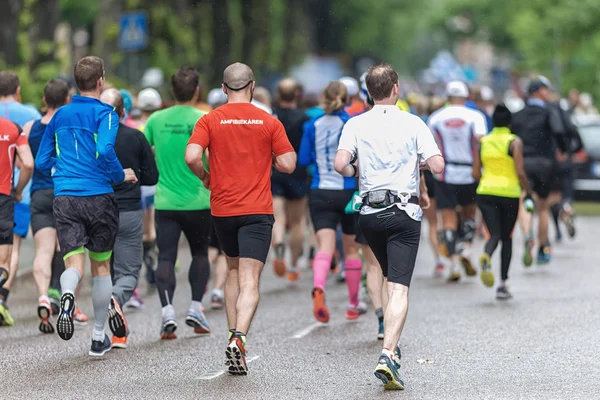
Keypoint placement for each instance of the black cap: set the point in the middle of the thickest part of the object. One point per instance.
(539, 83)
(502, 116)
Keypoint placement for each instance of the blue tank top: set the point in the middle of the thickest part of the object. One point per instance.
(40, 180)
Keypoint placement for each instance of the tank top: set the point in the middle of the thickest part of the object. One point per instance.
(499, 176)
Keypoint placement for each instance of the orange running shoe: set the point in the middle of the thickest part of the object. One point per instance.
(119, 342)
(293, 276)
(279, 267)
(79, 317)
(319, 307)
(45, 314)
(116, 319)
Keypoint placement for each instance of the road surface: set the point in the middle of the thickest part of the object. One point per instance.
(543, 344)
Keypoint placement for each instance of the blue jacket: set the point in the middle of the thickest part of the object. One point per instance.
(319, 144)
(79, 143)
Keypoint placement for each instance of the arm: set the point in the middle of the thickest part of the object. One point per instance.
(305, 155)
(516, 147)
(477, 163)
(148, 170)
(283, 152)
(105, 146)
(342, 164)
(424, 200)
(436, 164)
(44, 160)
(198, 142)
(24, 154)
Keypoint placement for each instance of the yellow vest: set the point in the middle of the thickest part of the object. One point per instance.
(499, 176)
(403, 105)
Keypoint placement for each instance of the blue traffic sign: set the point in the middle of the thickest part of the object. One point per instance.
(133, 32)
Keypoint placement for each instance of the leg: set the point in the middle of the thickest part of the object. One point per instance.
(101, 292)
(232, 291)
(279, 207)
(395, 314)
(14, 264)
(248, 277)
(353, 268)
(543, 210)
(432, 221)
(45, 244)
(127, 255)
(296, 212)
(168, 232)
(510, 213)
(374, 276)
(326, 239)
(491, 211)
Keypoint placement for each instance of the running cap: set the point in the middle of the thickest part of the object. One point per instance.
(487, 94)
(457, 89)
(351, 85)
(216, 97)
(149, 100)
(539, 83)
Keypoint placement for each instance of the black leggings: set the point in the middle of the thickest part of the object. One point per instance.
(196, 226)
(500, 216)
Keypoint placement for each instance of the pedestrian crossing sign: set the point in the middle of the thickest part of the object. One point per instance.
(133, 32)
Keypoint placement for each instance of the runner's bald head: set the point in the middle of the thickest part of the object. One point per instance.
(114, 98)
(287, 89)
(237, 76)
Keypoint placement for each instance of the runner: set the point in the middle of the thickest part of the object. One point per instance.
(262, 99)
(539, 127)
(13, 144)
(43, 225)
(501, 158)
(355, 105)
(13, 110)
(241, 201)
(85, 167)
(289, 191)
(457, 130)
(133, 151)
(390, 146)
(149, 101)
(182, 203)
(328, 198)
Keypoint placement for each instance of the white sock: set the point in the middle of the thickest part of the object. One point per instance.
(44, 299)
(98, 335)
(218, 292)
(168, 310)
(196, 306)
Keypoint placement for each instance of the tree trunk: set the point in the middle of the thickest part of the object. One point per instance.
(47, 15)
(104, 47)
(221, 33)
(327, 38)
(9, 26)
(248, 40)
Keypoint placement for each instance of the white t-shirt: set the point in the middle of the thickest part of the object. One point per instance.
(456, 130)
(390, 145)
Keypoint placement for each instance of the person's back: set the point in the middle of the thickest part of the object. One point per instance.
(532, 125)
(40, 180)
(499, 177)
(168, 131)
(18, 113)
(10, 138)
(456, 129)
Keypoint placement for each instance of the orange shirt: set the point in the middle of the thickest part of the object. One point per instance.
(241, 140)
(10, 138)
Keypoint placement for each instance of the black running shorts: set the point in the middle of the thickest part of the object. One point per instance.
(430, 182)
(7, 219)
(245, 236)
(542, 175)
(90, 221)
(360, 236)
(42, 215)
(327, 210)
(214, 239)
(450, 196)
(394, 238)
(288, 187)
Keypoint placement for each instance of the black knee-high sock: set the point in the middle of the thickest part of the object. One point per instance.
(58, 267)
(506, 257)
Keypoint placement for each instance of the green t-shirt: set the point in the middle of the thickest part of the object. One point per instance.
(178, 189)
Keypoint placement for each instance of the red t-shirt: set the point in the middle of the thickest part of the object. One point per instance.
(241, 140)
(10, 138)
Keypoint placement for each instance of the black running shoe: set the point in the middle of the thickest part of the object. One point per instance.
(100, 347)
(64, 324)
(116, 319)
(502, 293)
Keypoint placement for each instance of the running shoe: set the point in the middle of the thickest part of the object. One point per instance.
(293, 275)
(528, 256)
(217, 301)
(45, 313)
(397, 355)
(135, 301)
(353, 313)
(169, 326)
(116, 319)
(64, 323)
(387, 372)
(5, 317)
(3, 276)
(100, 347)
(381, 331)
(568, 218)
(279, 263)
(442, 245)
(487, 277)
(502, 293)
(545, 255)
(197, 320)
(236, 356)
(79, 317)
(54, 295)
(439, 270)
(320, 310)
(340, 275)
(465, 261)
(454, 275)
(119, 342)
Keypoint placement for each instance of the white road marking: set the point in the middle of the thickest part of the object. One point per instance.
(216, 373)
(300, 334)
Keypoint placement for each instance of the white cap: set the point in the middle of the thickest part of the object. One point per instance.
(457, 89)
(364, 92)
(351, 85)
(149, 100)
(216, 97)
(487, 94)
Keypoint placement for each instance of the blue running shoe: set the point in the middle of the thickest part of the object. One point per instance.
(381, 331)
(197, 320)
(99, 347)
(64, 323)
(544, 256)
(387, 372)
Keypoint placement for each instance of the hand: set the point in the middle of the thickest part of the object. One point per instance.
(424, 201)
(18, 196)
(529, 204)
(424, 167)
(130, 176)
(206, 180)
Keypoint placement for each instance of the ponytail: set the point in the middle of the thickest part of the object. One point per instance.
(335, 96)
